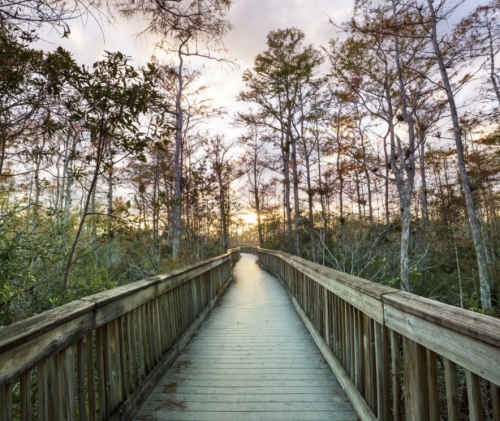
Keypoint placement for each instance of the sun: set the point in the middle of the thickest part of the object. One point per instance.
(249, 217)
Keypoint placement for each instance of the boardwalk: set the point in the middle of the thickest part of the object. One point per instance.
(251, 360)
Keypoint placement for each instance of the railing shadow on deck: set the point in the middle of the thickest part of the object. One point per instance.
(384, 345)
(99, 357)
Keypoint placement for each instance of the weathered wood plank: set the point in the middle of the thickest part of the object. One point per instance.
(25, 398)
(383, 372)
(129, 408)
(245, 298)
(495, 401)
(432, 376)
(396, 375)
(90, 377)
(474, 396)
(82, 399)
(42, 391)
(468, 352)
(69, 384)
(450, 371)
(101, 375)
(415, 372)
(468, 323)
(24, 331)
(359, 404)
(117, 302)
(362, 294)
(6, 403)
(24, 357)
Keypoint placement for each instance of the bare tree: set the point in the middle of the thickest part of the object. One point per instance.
(187, 29)
(437, 15)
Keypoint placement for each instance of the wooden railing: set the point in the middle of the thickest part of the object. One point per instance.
(97, 358)
(397, 356)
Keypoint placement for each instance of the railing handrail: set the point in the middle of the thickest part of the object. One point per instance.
(73, 321)
(469, 339)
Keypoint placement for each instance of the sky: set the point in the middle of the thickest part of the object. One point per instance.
(252, 21)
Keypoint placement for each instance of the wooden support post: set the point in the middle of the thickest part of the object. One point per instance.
(415, 370)
(373, 366)
(474, 396)
(450, 375)
(153, 332)
(366, 351)
(149, 335)
(90, 377)
(140, 345)
(396, 376)
(6, 403)
(351, 340)
(42, 391)
(357, 350)
(317, 305)
(383, 374)
(145, 342)
(326, 315)
(82, 398)
(69, 383)
(347, 337)
(432, 376)
(495, 401)
(342, 334)
(121, 348)
(64, 386)
(25, 402)
(334, 328)
(130, 353)
(361, 335)
(109, 406)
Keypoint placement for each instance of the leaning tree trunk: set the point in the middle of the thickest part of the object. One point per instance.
(474, 222)
(84, 214)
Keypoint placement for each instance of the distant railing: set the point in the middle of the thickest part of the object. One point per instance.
(384, 344)
(97, 358)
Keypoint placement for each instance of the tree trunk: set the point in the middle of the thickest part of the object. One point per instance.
(474, 222)
(425, 210)
(296, 197)
(176, 214)
(84, 214)
(38, 161)
(285, 153)
(256, 195)
(310, 199)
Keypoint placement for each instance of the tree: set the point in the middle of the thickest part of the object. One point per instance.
(225, 171)
(112, 99)
(187, 29)
(279, 77)
(436, 16)
(255, 164)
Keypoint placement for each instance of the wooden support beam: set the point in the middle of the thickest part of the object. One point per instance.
(450, 373)
(383, 372)
(416, 383)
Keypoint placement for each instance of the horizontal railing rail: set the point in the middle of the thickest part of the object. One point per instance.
(99, 357)
(397, 355)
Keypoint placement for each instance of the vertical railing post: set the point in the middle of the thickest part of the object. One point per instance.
(415, 373)
(383, 377)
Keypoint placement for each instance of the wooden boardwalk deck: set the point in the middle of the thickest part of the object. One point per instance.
(251, 360)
